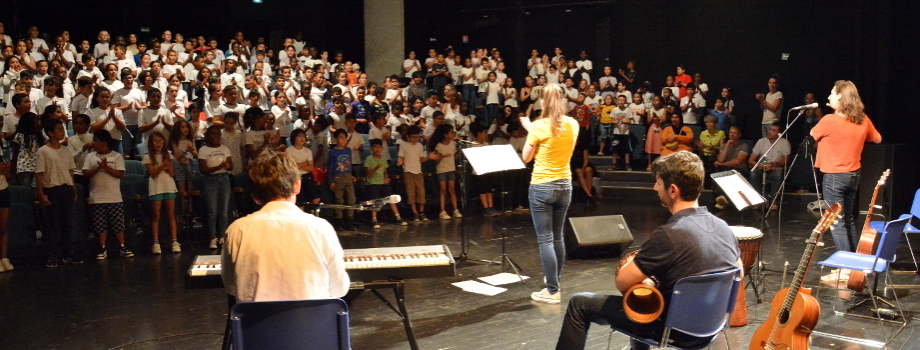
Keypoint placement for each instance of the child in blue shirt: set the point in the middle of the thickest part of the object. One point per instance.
(340, 179)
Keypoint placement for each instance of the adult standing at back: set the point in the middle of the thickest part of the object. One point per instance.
(841, 137)
(771, 104)
(550, 142)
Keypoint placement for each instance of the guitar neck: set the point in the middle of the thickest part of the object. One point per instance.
(802, 269)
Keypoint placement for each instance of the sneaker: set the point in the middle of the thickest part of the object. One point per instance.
(495, 212)
(509, 211)
(417, 218)
(721, 202)
(444, 216)
(102, 254)
(628, 168)
(400, 221)
(176, 248)
(125, 253)
(5, 265)
(457, 213)
(375, 224)
(156, 250)
(52, 261)
(213, 244)
(544, 296)
(73, 259)
(422, 216)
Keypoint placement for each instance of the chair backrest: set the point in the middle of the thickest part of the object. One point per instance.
(915, 208)
(295, 324)
(699, 303)
(888, 244)
(135, 167)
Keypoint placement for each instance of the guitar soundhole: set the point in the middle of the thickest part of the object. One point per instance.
(783, 316)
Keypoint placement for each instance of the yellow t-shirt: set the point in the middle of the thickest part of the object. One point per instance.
(553, 154)
(605, 113)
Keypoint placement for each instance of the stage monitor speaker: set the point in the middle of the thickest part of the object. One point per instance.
(595, 235)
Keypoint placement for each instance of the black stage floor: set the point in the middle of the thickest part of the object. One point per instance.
(142, 303)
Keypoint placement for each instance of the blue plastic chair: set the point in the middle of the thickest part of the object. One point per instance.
(295, 324)
(700, 306)
(910, 227)
(877, 263)
(135, 167)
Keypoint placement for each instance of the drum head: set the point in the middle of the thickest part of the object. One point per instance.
(745, 233)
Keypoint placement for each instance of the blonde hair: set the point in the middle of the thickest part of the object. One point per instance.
(106, 34)
(554, 108)
(851, 105)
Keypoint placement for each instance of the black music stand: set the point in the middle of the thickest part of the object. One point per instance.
(742, 195)
(489, 159)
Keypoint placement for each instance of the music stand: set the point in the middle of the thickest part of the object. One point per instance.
(490, 159)
(742, 195)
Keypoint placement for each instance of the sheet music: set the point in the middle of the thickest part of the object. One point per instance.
(737, 189)
(489, 159)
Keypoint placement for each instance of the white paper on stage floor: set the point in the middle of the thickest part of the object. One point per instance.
(489, 159)
(479, 287)
(737, 188)
(502, 278)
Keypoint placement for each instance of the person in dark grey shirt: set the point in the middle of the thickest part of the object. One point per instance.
(692, 242)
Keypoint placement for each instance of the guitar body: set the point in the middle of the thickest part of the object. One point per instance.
(868, 239)
(794, 333)
(868, 242)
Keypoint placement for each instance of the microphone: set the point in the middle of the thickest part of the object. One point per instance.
(812, 105)
(468, 142)
(385, 200)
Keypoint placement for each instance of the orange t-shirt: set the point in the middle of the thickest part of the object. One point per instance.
(840, 143)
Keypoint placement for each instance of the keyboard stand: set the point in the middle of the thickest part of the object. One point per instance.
(398, 288)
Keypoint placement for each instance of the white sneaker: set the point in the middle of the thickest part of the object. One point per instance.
(457, 213)
(156, 249)
(5, 265)
(444, 216)
(544, 296)
(176, 248)
(213, 244)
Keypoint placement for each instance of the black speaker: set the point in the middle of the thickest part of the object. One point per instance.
(595, 235)
(898, 193)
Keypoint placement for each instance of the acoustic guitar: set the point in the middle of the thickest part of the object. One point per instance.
(794, 312)
(868, 240)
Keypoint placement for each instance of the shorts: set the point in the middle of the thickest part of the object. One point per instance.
(415, 188)
(5, 198)
(485, 183)
(447, 176)
(184, 171)
(108, 217)
(162, 197)
(308, 191)
(621, 144)
(606, 131)
(378, 191)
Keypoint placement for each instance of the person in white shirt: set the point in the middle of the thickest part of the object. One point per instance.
(107, 117)
(39, 45)
(306, 259)
(411, 65)
(154, 118)
(101, 50)
(693, 105)
(124, 61)
(129, 101)
(585, 66)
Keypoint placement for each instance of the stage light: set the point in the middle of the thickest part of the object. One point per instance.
(256, 1)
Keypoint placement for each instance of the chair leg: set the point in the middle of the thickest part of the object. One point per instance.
(725, 336)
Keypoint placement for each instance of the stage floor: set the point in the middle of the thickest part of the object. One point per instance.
(142, 303)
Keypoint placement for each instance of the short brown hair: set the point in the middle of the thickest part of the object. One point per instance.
(683, 169)
(273, 177)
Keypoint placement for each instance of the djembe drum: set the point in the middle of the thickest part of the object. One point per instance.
(749, 240)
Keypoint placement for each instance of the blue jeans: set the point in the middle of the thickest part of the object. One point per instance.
(217, 200)
(469, 94)
(549, 202)
(841, 188)
(491, 112)
(774, 180)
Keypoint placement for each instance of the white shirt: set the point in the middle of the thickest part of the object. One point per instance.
(377, 133)
(214, 156)
(129, 97)
(410, 153)
(782, 149)
(103, 187)
(586, 65)
(55, 165)
(226, 79)
(127, 62)
(147, 116)
(163, 183)
(409, 63)
(283, 120)
(300, 155)
(282, 253)
(75, 144)
(692, 117)
(97, 115)
(355, 140)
